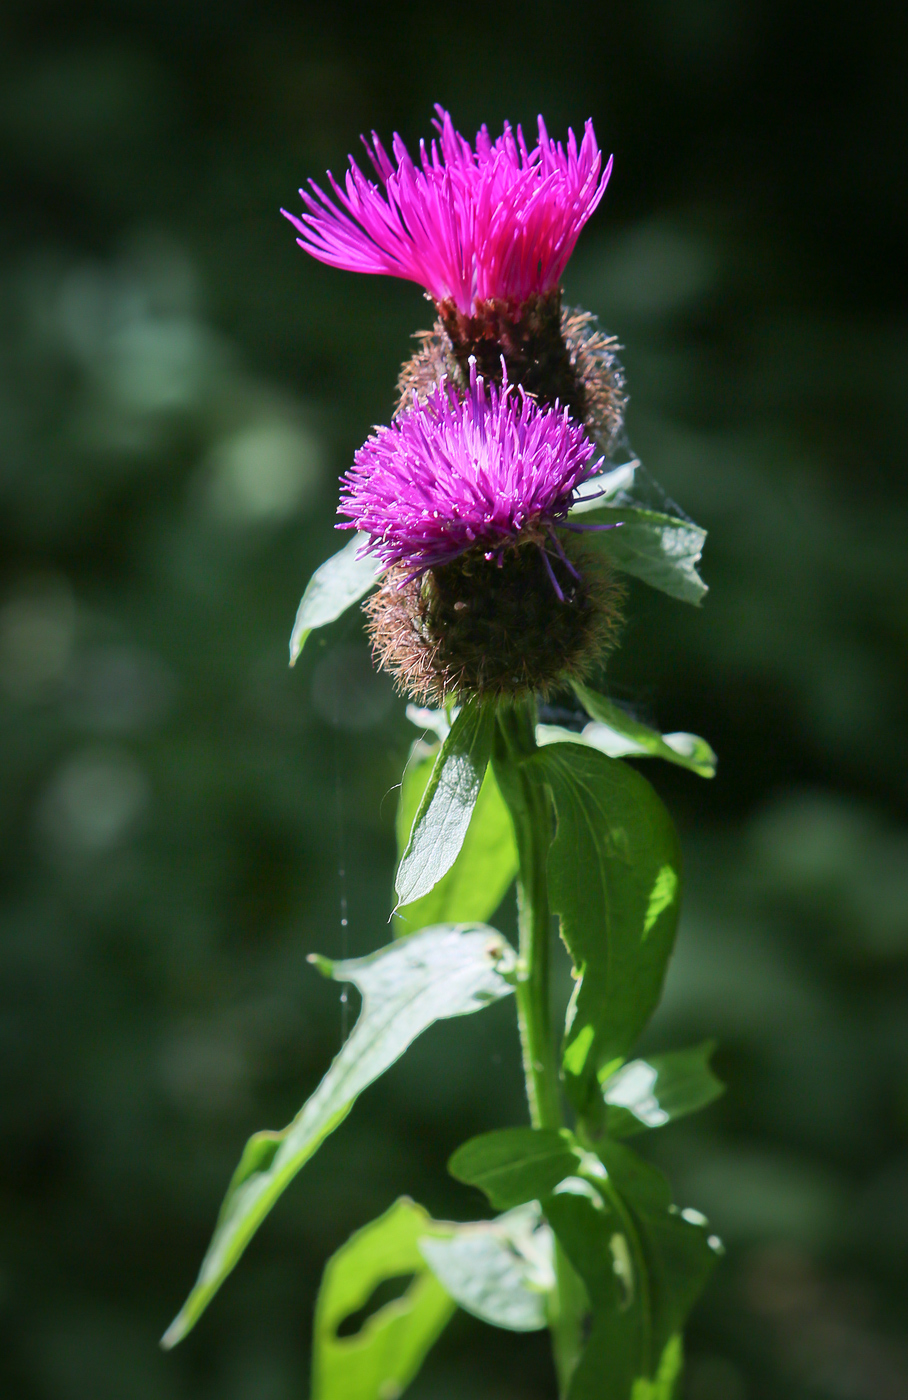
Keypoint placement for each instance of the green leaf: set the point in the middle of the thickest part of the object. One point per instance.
(591, 1235)
(443, 816)
(486, 866)
(619, 920)
(664, 1382)
(643, 1262)
(381, 1359)
(676, 1245)
(616, 734)
(649, 1093)
(662, 550)
(441, 972)
(501, 1271)
(516, 1165)
(334, 587)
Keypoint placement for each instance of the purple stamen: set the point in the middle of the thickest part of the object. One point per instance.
(551, 573)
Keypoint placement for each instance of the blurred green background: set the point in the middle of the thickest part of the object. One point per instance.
(179, 388)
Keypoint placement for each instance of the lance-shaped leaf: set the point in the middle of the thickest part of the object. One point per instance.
(444, 813)
(502, 1271)
(662, 550)
(334, 587)
(643, 1262)
(486, 866)
(382, 1357)
(649, 1093)
(619, 921)
(441, 972)
(615, 733)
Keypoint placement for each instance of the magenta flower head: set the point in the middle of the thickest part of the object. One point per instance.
(487, 230)
(487, 591)
(455, 474)
(498, 222)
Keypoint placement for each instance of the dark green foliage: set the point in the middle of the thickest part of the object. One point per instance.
(618, 918)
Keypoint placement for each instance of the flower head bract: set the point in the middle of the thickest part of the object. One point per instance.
(470, 225)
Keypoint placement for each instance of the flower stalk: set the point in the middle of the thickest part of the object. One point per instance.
(531, 811)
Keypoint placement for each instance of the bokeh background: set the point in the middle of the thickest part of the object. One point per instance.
(181, 814)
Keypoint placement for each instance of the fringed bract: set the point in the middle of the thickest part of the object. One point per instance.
(493, 626)
(554, 352)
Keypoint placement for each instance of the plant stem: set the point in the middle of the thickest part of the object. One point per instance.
(531, 811)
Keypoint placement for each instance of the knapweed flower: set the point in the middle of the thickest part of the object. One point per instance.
(487, 592)
(488, 231)
(454, 474)
(498, 222)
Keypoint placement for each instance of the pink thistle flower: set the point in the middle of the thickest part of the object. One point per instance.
(456, 473)
(497, 222)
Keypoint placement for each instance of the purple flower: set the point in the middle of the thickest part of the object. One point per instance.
(456, 473)
(499, 222)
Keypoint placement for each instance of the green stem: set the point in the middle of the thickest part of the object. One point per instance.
(531, 810)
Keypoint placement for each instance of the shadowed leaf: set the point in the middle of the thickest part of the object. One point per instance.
(618, 921)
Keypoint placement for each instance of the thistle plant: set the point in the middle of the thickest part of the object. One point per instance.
(493, 524)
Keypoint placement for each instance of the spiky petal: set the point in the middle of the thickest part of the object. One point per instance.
(497, 222)
(457, 472)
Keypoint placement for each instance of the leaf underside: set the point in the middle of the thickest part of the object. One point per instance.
(499, 1270)
(334, 587)
(661, 550)
(443, 817)
(439, 973)
(484, 869)
(615, 733)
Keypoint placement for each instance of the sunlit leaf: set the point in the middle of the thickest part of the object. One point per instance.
(649, 1093)
(615, 733)
(662, 550)
(334, 587)
(443, 816)
(436, 974)
(437, 722)
(599, 489)
(500, 1270)
(486, 866)
(381, 1359)
(619, 920)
